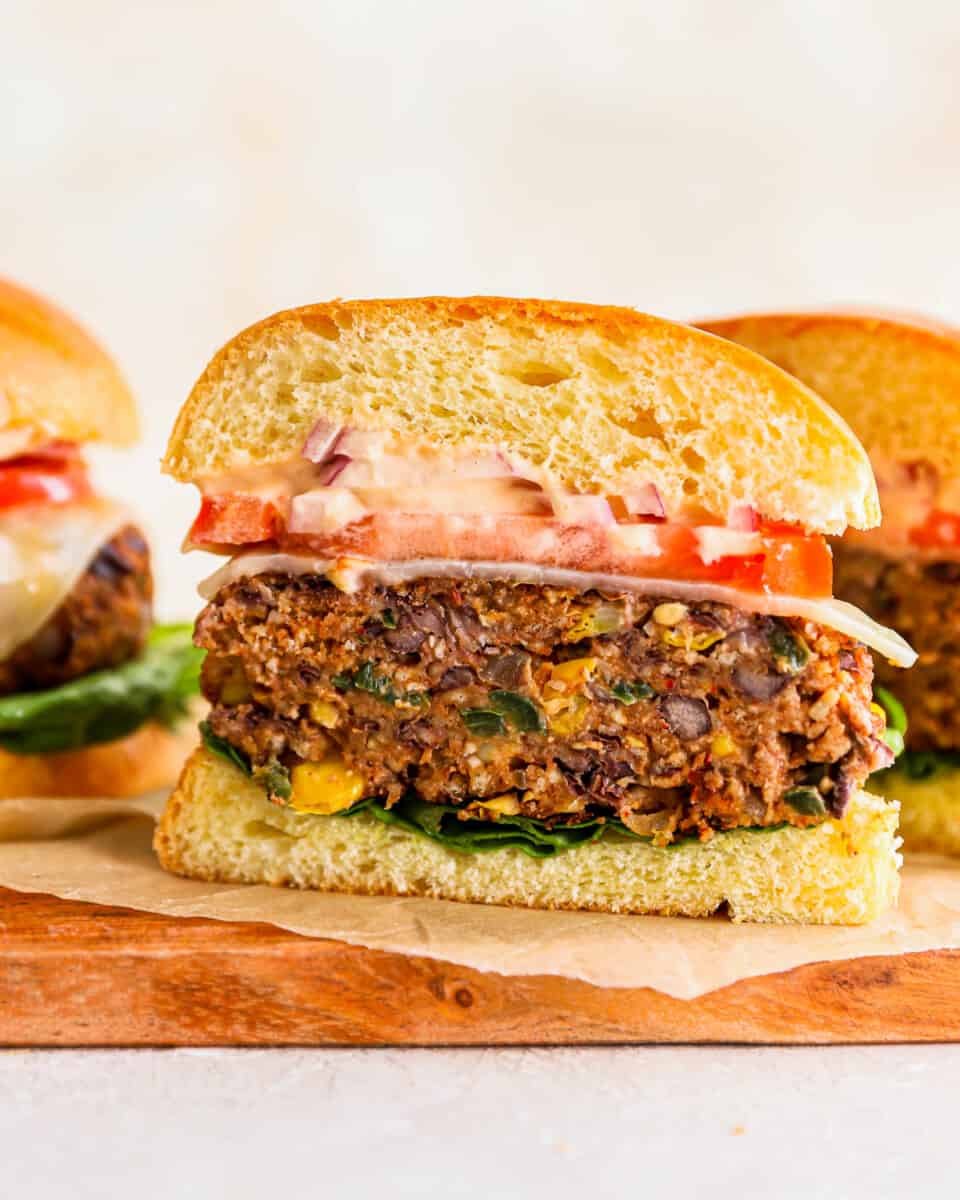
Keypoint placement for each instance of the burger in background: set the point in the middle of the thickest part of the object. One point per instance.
(92, 694)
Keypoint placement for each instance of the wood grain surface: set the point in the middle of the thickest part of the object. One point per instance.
(82, 975)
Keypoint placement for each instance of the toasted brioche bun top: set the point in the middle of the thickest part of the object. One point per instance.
(55, 379)
(895, 378)
(604, 398)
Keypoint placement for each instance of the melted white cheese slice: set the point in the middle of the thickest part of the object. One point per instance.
(44, 549)
(349, 574)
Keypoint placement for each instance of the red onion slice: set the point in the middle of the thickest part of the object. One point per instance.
(332, 469)
(321, 441)
(645, 502)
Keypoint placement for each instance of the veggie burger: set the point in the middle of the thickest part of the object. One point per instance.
(89, 694)
(529, 603)
(897, 381)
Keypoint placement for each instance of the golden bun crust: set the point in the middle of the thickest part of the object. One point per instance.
(218, 826)
(894, 377)
(929, 810)
(608, 399)
(150, 758)
(55, 379)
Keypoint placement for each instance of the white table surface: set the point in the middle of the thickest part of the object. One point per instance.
(585, 1123)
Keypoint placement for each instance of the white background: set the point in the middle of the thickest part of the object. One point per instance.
(172, 172)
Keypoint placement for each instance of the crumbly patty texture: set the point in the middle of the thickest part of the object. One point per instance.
(551, 703)
(104, 621)
(921, 600)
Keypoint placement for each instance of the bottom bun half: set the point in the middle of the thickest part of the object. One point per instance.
(218, 826)
(150, 758)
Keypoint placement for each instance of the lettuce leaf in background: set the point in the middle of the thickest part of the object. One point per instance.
(924, 764)
(896, 720)
(915, 764)
(106, 705)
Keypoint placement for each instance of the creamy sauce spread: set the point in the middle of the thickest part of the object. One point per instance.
(357, 473)
(284, 479)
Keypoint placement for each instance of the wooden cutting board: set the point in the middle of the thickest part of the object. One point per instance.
(82, 975)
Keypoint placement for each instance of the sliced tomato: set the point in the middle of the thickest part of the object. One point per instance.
(790, 562)
(39, 478)
(941, 530)
(797, 565)
(235, 520)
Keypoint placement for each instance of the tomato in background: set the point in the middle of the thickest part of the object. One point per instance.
(53, 474)
(941, 530)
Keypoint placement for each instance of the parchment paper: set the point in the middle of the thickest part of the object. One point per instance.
(99, 851)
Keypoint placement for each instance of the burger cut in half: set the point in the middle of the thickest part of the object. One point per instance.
(897, 381)
(92, 699)
(529, 603)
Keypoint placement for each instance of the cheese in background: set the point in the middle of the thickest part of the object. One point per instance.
(44, 549)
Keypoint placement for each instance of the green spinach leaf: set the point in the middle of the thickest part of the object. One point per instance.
(522, 713)
(896, 720)
(220, 746)
(366, 679)
(789, 649)
(274, 777)
(805, 800)
(629, 693)
(484, 722)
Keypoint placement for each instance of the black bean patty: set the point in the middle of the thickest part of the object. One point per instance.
(102, 623)
(561, 704)
(921, 600)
